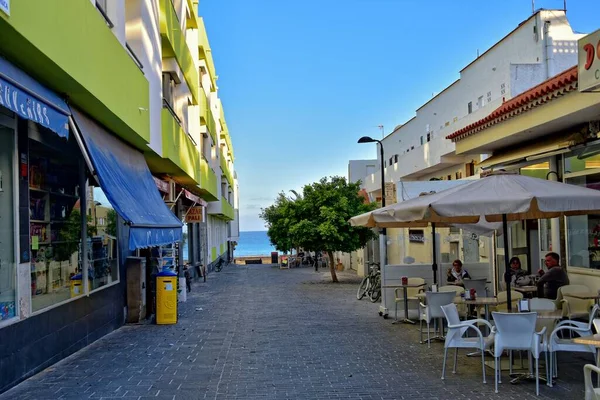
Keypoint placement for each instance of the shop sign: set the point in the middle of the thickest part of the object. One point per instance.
(29, 107)
(589, 62)
(5, 6)
(194, 215)
(390, 193)
(160, 184)
(191, 196)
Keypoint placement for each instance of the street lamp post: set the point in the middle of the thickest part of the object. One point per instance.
(367, 139)
(383, 311)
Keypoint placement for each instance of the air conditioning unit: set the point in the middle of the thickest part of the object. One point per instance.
(172, 195)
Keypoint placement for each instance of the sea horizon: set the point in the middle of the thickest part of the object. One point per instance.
(253, 243)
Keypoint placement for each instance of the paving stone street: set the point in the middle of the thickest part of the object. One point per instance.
(257, 332)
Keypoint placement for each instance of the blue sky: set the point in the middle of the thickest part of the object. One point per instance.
(301, 81)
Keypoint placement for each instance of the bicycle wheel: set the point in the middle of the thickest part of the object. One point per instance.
(362, 289)
(375, 293)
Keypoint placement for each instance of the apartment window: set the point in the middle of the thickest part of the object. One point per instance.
(489, 97)
(470, 107)
(449, 177)
(101, 6)
(429, 137)
(502, 88)
(459, 175)
(412, 147)
(480, 102)
(396, 158)
(422, 140)
(391, 160)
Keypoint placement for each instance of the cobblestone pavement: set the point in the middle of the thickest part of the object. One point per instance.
(257, 332)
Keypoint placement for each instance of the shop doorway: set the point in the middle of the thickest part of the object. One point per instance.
(7, 230)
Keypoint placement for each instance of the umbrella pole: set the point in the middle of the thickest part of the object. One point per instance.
(434, 266)
(506, 268)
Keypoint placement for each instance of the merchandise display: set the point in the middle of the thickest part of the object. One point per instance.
(54, 225)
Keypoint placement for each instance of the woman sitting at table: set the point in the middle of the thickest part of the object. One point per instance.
(518, 275)
(457, 273)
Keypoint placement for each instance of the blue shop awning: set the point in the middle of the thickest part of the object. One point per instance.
(25, 96)
(129, 186)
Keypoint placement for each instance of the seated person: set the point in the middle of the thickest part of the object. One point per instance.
(456, 274)
(555, 277)
(518, 275)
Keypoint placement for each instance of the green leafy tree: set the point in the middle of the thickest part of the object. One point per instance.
(318, 220)
(70, 235)
(111, 226)
(279, 218)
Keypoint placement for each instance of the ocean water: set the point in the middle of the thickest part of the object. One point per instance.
(254, 243)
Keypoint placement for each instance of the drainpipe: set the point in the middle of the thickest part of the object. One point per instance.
(554, 222)
(547, 51)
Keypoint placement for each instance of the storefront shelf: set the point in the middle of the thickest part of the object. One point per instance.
(72, 196)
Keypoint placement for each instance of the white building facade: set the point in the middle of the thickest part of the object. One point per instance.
(540, 47)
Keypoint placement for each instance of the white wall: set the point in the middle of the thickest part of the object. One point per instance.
(513, 65)
(358, 169)
(143, 36)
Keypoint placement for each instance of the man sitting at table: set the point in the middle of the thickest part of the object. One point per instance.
(555, 277)
(456, 274)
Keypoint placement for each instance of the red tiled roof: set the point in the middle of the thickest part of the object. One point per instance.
(552, 88)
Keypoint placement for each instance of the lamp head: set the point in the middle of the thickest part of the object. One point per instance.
(366, 139)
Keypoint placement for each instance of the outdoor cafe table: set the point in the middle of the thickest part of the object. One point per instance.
(593, 340)
(405, 290)
(586, 296)
(526, 290)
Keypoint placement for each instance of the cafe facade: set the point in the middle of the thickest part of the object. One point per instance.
(551, 131)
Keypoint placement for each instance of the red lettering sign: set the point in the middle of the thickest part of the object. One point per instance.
(589, 58)
(590, 53)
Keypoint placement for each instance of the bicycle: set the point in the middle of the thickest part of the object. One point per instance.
(371, 284)
(219, 265)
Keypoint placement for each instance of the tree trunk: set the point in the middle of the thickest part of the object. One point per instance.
(332, 267)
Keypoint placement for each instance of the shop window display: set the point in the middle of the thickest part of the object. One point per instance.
(102, 240)
(583, 231)
(55, 226)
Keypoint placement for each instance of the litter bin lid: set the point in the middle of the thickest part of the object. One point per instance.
(166, 272)
(76, 277)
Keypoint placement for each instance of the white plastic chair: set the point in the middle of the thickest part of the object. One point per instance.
(516, 331)
(572, 307)
(584, 328)
(452, 288)
(514, 299)
(455, 339)
(433, 310)
(537, 304)
(462, 308)
(591, 393)
(410, 292)
(555, 343)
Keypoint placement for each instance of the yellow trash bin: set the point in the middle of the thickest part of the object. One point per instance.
(77, 285)
(166, 298)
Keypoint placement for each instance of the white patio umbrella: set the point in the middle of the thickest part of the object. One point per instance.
(384, 218)
(500, 197)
